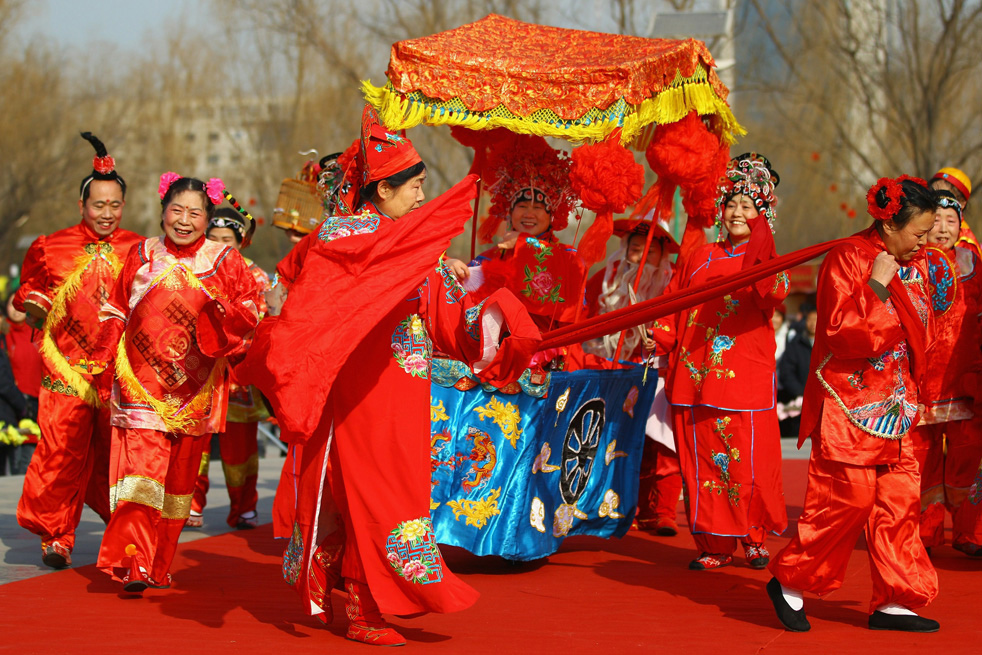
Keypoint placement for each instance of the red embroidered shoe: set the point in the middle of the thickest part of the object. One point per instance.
(757, 555)
(366, 623)
(709, 561)
(136, 580)
(55, 555)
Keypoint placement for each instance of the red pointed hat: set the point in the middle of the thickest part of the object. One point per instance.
(384, 153)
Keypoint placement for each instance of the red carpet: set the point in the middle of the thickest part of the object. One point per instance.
(593, 596)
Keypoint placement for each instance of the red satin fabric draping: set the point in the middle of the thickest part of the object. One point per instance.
(670, 303)
(69, 468)
(154, 474)
(845, 500)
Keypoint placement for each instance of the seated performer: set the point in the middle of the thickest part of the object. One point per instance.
(531, 195)
(948, 440)
(861, 400)
(238, 443)
(371, 302)
(610, 289)
(66, 277)
(181, 306)
(721, 379)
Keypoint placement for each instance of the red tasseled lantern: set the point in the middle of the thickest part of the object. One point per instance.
(843, 206)
(816, 156)
(833, 188)
(607, 180)
(252, 202)
(852, 213)
(685, 154)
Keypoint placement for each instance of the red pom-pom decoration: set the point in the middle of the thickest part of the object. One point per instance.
(607, 179)
(103, 165)
(894, 193)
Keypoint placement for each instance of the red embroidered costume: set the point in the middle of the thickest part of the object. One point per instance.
(721, 387)
(371, 303)
(68, 275)
(860, 402)
(171, 389)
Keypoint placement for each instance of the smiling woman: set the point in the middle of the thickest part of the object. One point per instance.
(721, 379)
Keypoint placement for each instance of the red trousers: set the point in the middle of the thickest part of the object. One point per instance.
(70, 468)
(155, 474)
(660, 485)
(240, 464)
(948, 455)
(841, 502)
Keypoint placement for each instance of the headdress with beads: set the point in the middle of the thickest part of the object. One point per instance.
(751, 175)
(519, 168)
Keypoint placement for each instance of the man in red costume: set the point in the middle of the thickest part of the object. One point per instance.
(372, 301)
(861, 400)
(66, 278)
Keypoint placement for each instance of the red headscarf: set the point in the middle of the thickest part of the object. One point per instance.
(384, 153)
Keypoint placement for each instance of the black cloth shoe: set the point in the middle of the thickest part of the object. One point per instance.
(793, 620)
(902, 622)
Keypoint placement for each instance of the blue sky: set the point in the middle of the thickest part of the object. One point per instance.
(75, 23)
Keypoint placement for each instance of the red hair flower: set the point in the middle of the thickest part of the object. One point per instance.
(166, 180)
(893, 193)
(915, 180)
(215, 189)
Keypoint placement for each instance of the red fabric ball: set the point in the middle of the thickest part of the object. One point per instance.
(605, 176)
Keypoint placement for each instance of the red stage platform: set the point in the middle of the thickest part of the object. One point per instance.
(593, 596)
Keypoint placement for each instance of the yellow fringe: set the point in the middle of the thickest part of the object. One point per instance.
(64, 295)
(175, 418)
(669, 106)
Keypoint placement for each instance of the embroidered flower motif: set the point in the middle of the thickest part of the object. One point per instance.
(394, 559)
(411, 346)
(722, 460)
(412, 531)
(721, 344)
(414, 570)
(415, 365)
(416, 326)
(542, 283)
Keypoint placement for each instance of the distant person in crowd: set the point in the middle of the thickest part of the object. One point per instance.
(861, 401)
(65, 279)
(721, 379)
(792, 373)
(27, 367)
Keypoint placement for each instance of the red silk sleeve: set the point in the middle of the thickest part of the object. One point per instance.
(860, 325)
(34, 277)
(226, 323)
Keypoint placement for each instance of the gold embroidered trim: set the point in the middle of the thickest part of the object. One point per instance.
(236, 474)
(176, 507)
(842, 406)
(205, 461)
(63, 295)
(57, 386)
(138, 489)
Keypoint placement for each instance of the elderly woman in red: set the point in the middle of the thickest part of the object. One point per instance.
(721, 382)
(861, 400)
(948, 440)
(181, 306)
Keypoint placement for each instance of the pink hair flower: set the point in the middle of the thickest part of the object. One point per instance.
(215, 189)
(166, 180)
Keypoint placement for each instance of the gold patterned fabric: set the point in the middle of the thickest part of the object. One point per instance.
(549, 81)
